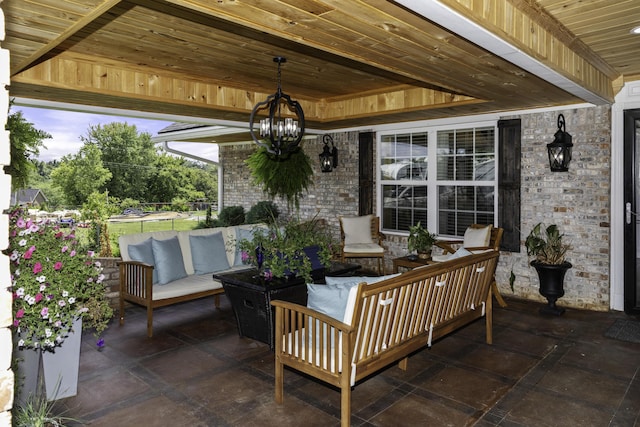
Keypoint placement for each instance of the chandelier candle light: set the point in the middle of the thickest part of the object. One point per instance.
(281, 132)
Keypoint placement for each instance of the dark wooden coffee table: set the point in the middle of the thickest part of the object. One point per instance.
(251, 295)
(410, 262)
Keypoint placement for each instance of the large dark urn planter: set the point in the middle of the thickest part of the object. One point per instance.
(551, 278)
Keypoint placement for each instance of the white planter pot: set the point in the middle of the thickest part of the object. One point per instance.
(59, 369)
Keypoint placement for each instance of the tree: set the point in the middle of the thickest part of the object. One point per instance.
(80, 175)
(171, 178)
(129, 156)
(25, 142)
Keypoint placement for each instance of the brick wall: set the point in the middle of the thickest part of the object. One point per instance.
(577, 201)
(111, 281)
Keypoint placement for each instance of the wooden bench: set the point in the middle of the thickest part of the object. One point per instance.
(390, 320)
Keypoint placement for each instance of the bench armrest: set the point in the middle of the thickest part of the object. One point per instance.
(136, 280)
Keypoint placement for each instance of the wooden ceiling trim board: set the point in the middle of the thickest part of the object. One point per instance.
(67, 33)
(459, 18)
(556, 30)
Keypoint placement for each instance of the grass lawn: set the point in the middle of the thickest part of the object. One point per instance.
(117, 229)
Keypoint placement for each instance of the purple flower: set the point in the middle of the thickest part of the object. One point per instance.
(100, 344)
(244, 256)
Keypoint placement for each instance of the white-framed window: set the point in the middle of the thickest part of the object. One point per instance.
(443, 177)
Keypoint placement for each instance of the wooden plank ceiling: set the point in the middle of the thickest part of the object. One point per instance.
(349, 63)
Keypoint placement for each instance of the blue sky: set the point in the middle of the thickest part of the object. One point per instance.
(66, 127)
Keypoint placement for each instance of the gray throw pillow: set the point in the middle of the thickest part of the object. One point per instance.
(169, 262)
(142, 252)
(208, 253)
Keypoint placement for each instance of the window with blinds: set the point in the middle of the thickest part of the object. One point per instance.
(404, 173)
(444, 178)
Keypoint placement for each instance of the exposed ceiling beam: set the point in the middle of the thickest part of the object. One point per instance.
(69, 32)
(584, 80)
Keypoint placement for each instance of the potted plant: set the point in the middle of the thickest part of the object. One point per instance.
(55, 285)
(291, 247)
(545, 245)
(287, 177)
(421, 240)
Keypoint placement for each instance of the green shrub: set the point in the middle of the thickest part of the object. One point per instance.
(230, 215)
(262, 212)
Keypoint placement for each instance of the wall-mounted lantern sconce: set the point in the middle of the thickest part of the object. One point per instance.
(328, 157)
(560, 149)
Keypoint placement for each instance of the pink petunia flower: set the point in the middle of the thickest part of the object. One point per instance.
(29, 252)
(39, 297)
(44, 312)
(65, 249)
(72, 253)
(37, 268)
(20, 223)
(20, 313)
(57, 266)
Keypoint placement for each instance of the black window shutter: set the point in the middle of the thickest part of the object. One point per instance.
(509, 153)
(365, 173)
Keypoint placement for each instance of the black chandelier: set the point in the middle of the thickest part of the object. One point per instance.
(560, 149)
(283, 129)
(328, 157)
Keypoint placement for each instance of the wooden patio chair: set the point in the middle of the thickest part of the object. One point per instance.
(471, 243)
(361, 238)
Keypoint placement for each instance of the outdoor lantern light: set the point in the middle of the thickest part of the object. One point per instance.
(283, 129)
(328, 157)
(560, 149)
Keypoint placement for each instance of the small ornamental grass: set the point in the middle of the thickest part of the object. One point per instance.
(53, 283)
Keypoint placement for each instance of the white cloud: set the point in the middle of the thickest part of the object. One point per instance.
(66, 128)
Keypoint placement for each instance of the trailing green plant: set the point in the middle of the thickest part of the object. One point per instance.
(285, 177)
(230, 215)
(420, 239)
(262, 212)
(37, 411)
(282, 247)
(545, 244)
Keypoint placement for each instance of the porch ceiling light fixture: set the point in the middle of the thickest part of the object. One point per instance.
(560, 149)
(328, 157)
(283, 129)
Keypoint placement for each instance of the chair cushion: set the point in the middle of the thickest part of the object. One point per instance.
(363, 248)
(446, 257)
(142, 252)
(357, 229)
(169, 262)
(208, 253)
(477, 237)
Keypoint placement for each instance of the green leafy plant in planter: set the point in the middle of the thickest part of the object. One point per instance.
(545, 245)
(289, 247)
(421, 240)
(286, 177)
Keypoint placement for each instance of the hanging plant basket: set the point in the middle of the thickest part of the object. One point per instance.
(287, 177)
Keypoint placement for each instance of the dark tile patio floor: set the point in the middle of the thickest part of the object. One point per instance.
(197, 371)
